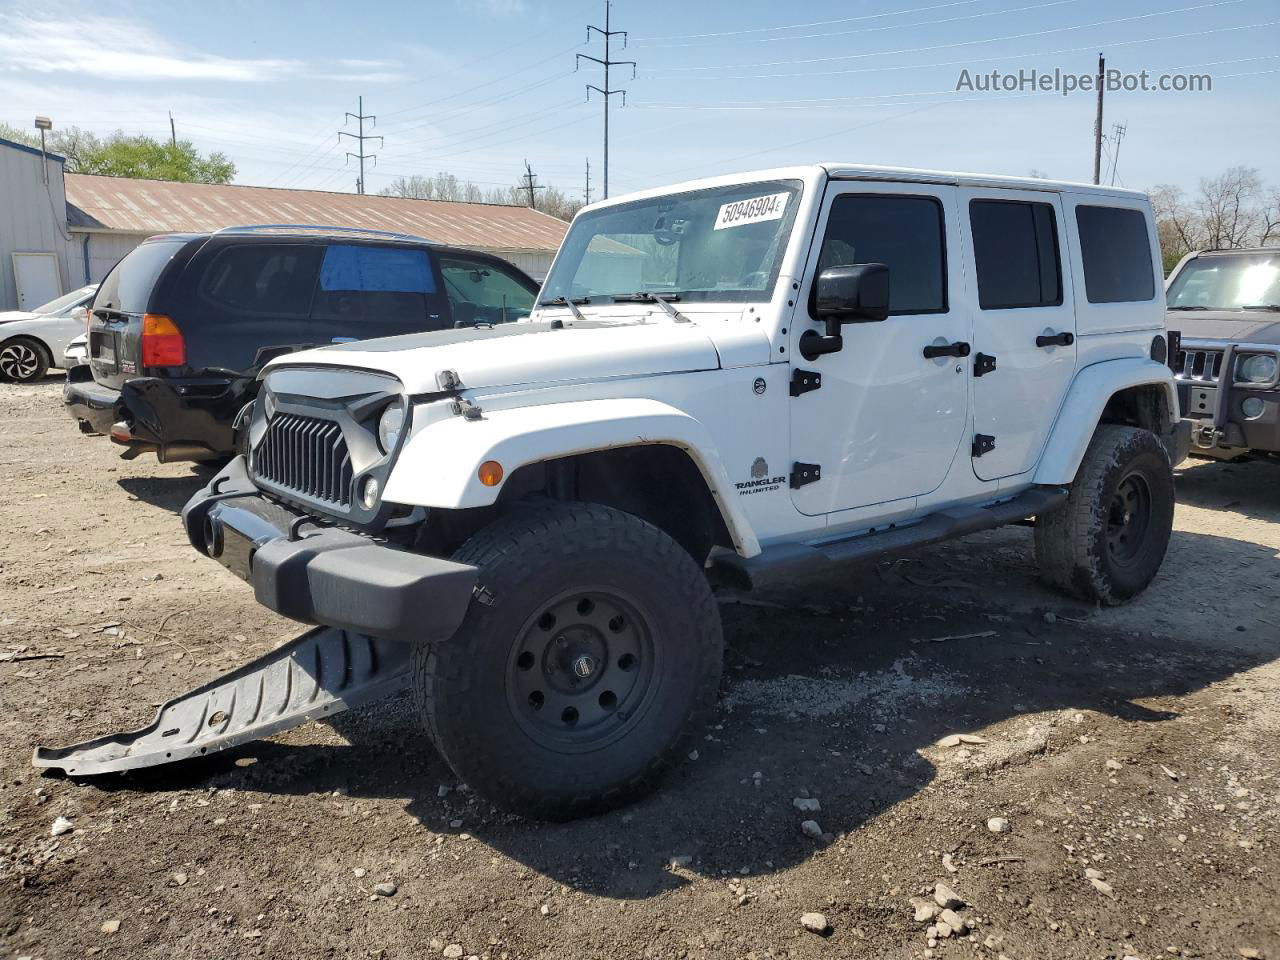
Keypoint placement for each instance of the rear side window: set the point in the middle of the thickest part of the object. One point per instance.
(1116, 253)
(1015, 246)
(483, 292)
(129, 284)
(384, 285)
(904, 233)
(263, 279)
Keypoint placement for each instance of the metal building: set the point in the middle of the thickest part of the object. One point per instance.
(84, 224)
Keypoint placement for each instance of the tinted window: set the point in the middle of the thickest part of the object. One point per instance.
(905, 233)
(128, 286)
(263, 279)
(383, 285)
(1015, 245)
(482, 292)
(1116, 254)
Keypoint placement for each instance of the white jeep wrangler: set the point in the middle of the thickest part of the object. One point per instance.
(737, 380)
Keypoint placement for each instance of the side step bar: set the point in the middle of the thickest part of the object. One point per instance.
(323, 672)
(797, 560)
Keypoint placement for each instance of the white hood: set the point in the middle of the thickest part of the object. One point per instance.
(524, 353)
(9, 316)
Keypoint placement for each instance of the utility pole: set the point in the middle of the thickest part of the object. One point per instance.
(1097, 125)
(607, 91)
(586, 193)
(528, 178)
(360, 138)
(173, 131)
(1118, 130)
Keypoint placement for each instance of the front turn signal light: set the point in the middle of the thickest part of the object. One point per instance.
(490, 473)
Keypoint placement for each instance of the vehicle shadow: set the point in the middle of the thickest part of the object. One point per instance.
(169, 493)
(1251, 488)
(841, 698)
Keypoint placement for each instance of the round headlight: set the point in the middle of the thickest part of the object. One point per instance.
(1252, 407)
(268, 404)
(369, 493)
(1259, 368)
(389, 427)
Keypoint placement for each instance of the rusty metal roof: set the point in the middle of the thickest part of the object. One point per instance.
(161, 206)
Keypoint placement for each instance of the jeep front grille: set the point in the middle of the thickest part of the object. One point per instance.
(1197, 364)
(306, 456)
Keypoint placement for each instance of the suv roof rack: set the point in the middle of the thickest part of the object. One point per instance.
(318, 228)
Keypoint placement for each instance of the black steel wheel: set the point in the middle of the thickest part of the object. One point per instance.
(1106, 543)
(585, 667)
(23, 360)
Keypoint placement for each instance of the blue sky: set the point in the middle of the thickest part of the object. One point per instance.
(476, 86)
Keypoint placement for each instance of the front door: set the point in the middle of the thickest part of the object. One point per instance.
(1023, 325)
(37, 277)
(886, 421)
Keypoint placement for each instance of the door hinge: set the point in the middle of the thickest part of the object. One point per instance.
(983, 444)
(802, 473)
(983, 363)
(803, 381)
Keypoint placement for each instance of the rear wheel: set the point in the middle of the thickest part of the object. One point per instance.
(23, 360)
(584, 668)
(1106, 543)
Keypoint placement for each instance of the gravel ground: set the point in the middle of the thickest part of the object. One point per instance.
(1113, 793)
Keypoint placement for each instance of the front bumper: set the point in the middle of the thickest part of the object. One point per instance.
(323, 575)
(1213, 414)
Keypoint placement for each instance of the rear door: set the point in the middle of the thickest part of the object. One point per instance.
(115, 322)
(1024, 325)
(367, 290)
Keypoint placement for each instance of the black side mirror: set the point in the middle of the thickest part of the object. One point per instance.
(858, 293)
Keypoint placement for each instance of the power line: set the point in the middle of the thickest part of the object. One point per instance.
(607, 92)
(360, 138)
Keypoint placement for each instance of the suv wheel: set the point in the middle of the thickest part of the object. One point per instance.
(23, 360)
(1106, 543)
(584, 668)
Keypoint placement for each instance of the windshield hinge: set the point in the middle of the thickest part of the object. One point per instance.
(805, 381)
(805, 473)
(983, 363)
(983, 444)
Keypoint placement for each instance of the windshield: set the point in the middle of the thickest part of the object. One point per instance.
(724, 243)
(1227, 282)
(66, 300)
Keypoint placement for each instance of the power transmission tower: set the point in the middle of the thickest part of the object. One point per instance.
(1118, 130)
(607, 91)
(1097, 125)
(360, 138)
(586, 193)
(528, 178)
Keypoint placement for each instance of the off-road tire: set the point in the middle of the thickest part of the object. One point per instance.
(467, 688)
(1076, 543)
(23, 360)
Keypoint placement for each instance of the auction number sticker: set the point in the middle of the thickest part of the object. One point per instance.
(753, 210)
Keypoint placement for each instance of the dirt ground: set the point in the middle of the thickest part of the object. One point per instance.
(1139, 744)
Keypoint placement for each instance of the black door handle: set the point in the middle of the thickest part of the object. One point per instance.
(1057, 340)
(957, 349)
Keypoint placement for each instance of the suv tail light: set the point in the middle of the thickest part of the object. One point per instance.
(162, 343)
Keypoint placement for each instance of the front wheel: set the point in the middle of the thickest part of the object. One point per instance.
(23, 360)
(584, 668)
(1106, 543)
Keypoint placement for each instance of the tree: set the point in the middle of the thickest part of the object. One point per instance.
(1232, 210)
(138, 156)
(446, 186)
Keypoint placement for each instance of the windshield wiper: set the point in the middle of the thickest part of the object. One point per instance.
(571, 303)
(1261, 306)
(663, 300)
(1190, 308)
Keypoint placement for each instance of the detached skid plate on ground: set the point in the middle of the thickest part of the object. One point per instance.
(321, 673)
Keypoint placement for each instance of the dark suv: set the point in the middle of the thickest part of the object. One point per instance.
(1226, 303)
(181, 326)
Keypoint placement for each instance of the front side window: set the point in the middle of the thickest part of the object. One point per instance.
(1230, 282)
(1116, 253)
(261, 279)
(904, 233)
(1015, 247)
(382, 285)
(718, 244)
(483, 292)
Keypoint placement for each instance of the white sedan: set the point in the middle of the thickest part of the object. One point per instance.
(33, 341)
